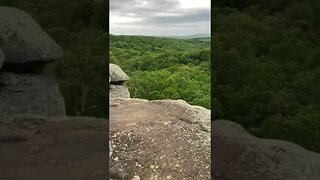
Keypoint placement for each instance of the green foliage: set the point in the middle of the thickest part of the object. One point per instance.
(162, 68)
(176, 82)
(266, 68)
(82, 75)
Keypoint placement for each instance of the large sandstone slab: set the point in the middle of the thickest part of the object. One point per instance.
(158, 140)
(30, 94)
(239, 155)
(22, 39)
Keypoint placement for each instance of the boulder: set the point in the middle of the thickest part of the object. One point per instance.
(30, 94)
(1, 58)
(117, 86)
(239, 155)
(119, 91)
(160, 139)
(22, 39)
(116, 74)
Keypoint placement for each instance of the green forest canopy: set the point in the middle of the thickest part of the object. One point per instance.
(266, 66)
(164, 68)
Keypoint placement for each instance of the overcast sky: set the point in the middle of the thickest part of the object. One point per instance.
(159, 17)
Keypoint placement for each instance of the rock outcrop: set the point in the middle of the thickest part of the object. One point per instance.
(239, 155)
(22, 40)
(24, 49)
(163, 139)
(170, 139)
(117, 79)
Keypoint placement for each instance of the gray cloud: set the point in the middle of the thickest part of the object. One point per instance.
(137, 6)
(158, 13)
(186, 18)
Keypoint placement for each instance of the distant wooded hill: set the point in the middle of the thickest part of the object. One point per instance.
(189, 36)
(164, 68)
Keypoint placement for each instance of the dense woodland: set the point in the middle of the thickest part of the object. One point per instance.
(266, 67)
(163, 68)
(265, 63)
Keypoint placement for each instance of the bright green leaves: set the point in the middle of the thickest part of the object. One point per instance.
(177, 82)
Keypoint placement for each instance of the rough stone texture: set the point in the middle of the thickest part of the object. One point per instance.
(119, 91)
(64, 148)
(239, 155)
(1, 58)
(117, 86)
(116, 74)
(160, 139)
(192, 114)
(30, 94)
(22, 40)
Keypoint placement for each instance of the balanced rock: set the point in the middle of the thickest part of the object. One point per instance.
(30, 94)
(1, 58)
(162, 139)
(22, 40)
(117, 79)
(239, 155)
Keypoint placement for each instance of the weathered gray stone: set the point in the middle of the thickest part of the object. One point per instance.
(1, 58)
(116, 73)
(158, 140)
(30, 94)
(239, 155)
(119, 91)
(22, 39)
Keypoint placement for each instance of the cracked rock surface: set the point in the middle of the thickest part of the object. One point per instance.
(162, 139)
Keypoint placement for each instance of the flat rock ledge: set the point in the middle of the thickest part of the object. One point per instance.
(162, 139)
